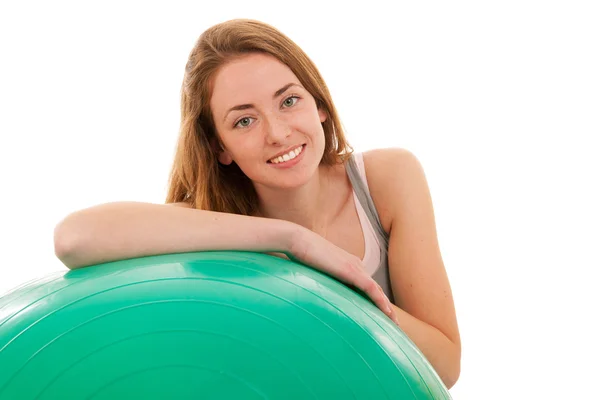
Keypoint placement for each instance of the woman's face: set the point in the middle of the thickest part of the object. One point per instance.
(261, 111)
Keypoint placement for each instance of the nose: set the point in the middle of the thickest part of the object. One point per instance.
(276, 130)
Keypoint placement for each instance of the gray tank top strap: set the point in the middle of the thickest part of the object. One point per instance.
(366, 201)
(382, 275)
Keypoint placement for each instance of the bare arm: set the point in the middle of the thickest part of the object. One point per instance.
(425, 305)
(122, 230)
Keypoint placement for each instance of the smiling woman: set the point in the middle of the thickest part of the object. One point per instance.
(262, 165)
(283, 121)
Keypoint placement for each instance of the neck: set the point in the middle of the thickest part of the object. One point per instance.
(306, 205)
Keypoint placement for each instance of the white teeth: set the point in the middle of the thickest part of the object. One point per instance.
(286, 157)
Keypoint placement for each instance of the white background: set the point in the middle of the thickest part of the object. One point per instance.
(499, 100)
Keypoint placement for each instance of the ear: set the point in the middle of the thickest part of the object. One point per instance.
(224, 156)
(322, 115)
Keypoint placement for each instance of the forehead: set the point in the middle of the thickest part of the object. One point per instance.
(250, 77)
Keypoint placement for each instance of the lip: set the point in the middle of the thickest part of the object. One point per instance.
(290, 163)
(285, 151)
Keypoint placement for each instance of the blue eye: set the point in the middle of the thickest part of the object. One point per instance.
(243, 122)
(290, 101)
(246, 121)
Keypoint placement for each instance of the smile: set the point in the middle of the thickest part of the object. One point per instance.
(288, 156)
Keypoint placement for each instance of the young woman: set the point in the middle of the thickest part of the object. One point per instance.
(262, 164)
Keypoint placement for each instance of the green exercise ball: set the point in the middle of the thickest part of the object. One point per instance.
(205, 325)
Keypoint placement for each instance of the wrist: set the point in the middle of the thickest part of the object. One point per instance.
(295, 239)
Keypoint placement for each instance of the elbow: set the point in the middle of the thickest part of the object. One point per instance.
(61, 246)
(66, 241)
(453, 372)
(452, 377)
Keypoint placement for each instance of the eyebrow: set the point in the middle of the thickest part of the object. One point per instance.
(247, 106)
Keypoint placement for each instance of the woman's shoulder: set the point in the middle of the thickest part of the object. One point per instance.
(386, 154)
(379, 159)
(386, 169)
(181, 204)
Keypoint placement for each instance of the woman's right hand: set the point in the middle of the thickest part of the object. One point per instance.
(314, 250)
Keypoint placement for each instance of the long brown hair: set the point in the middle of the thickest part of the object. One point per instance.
(196, 176)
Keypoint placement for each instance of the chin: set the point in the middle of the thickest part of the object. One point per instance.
(291, 182)
(286, 180)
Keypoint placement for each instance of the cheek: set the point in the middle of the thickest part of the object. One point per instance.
(309, 120)
(246, 150)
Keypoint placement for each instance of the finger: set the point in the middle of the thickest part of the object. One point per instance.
(393, 316)
(357, 277)
(384, 299)
(374, 292)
